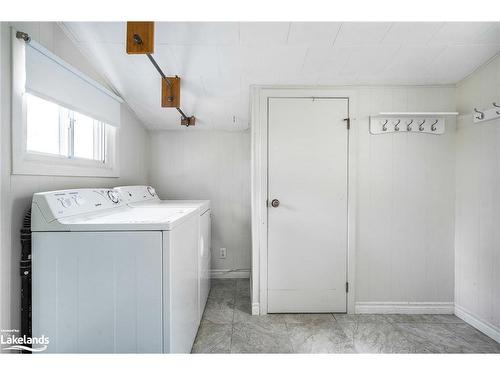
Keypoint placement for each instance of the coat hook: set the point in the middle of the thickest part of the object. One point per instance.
(408, 125)
(496, 106)
(396, 127)
(481, 114)
(433, 126)
(384, 125)
(421, 125)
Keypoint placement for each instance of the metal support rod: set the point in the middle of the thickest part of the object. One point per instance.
(182, 113)
(155, 64)
(138, 40)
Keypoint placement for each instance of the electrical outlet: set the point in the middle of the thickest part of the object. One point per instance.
(222, 252)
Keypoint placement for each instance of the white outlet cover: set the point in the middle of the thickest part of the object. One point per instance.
(223, 252)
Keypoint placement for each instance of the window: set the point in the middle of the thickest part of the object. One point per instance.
(55, 130)
(64, 123)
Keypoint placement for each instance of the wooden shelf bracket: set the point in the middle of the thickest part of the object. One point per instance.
(140, 40)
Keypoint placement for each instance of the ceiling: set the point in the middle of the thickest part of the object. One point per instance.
(217, 62)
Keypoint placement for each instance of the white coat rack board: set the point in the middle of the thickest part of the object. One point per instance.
(414, 122)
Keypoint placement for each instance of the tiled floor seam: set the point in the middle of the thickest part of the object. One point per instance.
(289, 338)
(231, 339)
(232, 322)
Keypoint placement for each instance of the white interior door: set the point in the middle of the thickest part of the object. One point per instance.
(307, 232)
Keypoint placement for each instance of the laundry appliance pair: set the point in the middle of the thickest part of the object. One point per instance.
(118, 270)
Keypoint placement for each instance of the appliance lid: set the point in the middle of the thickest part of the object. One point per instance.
(202, 205)
(135, 215)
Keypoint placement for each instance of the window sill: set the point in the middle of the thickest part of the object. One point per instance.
(48, 165)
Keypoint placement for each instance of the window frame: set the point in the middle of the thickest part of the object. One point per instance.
(26, 162)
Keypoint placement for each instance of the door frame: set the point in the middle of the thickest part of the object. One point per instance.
(259, 172)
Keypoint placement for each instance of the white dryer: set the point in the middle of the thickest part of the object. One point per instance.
(109, 278)
(146, 196)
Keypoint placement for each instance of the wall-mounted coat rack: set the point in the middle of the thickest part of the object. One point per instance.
(487, 114)
(140, 40)
(404, 122)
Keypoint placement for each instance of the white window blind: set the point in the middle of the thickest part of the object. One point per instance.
(50, 77)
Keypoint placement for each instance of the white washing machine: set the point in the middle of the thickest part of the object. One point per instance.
(145, 196)
(109, 278)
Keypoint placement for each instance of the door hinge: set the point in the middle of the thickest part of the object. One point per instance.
(348, 121)
(347, 287)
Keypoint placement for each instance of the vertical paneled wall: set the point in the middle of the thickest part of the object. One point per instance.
(477, 233)
(405, 201)
(215, 165)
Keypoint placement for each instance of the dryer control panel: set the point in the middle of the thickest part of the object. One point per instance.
(62, 203)
(137, 193)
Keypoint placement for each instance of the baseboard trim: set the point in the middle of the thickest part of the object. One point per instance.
(230, 274)
(487, 328)
(404, 308)
(255, 308)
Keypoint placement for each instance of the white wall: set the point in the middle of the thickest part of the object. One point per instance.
(215, 165)
(405, 201)
(16, 190)
(477, 238)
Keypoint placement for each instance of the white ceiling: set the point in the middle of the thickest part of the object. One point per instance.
(217, 62)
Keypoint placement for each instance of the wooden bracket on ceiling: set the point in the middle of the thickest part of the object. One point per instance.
(171, 98)
(171, 92)
(146, 33)
(188, 121)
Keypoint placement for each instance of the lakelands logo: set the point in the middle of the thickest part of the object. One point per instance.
(31, 344)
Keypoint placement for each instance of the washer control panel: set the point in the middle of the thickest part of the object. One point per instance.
(62, 203)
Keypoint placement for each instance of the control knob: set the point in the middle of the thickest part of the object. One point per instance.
(65, 202)
(79, 200)
(113, 196)
(151, 191)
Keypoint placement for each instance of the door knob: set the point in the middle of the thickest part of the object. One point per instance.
(275, 203)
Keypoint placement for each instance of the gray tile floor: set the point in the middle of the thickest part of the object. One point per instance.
(228, 327)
